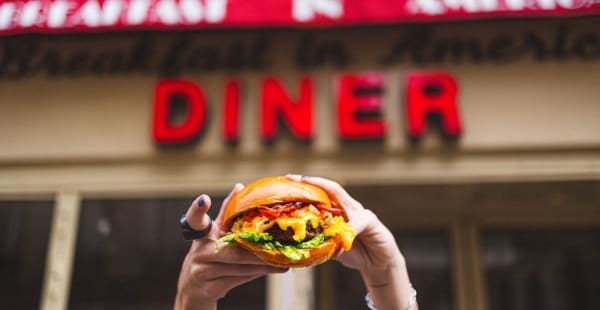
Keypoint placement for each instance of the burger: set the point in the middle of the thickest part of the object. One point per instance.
(286, 223)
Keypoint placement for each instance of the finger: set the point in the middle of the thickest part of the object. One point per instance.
(353, 258)
(231, 254)
(362, 220)
(213, 271)
(219, 220)
(336, 192)
(294, 177)
(230, 282)
(329, 186)
(196, 213)
(218, 288)
(338, 253)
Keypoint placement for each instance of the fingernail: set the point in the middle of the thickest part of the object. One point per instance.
(201, 202)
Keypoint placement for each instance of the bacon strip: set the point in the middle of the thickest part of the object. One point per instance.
(333, 211)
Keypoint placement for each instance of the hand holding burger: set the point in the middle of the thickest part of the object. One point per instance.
(206, 276)
(301, 227)
(375, 253)
(287, 223)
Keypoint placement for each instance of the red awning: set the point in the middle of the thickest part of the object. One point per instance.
(95, 15)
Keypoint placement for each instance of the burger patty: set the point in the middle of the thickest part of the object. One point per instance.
(287, 236)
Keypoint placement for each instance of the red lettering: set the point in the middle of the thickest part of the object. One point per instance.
(165, 132)
(231, 110)
(359, 106)
(275, 102)
(432, 92)
(359, 100)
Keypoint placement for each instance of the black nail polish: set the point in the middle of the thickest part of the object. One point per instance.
(201, 202)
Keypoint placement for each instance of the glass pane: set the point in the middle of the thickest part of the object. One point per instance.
(344, 290)
(429, 262)
(540, 269)
(24, 231)
(129, 253)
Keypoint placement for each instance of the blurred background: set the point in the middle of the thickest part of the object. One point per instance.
(471, 128)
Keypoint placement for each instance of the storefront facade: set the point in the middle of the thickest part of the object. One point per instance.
(106, 138)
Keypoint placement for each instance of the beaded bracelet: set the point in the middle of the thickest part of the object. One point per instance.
(411, 302)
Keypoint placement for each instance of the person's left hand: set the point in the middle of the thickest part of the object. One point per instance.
(207, 275)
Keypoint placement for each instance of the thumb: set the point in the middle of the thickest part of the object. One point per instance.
(219, 220)
(196, 213)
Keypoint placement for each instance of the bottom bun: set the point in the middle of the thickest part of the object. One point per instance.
(276, 259)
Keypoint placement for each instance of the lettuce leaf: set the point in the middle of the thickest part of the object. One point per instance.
(293, 253)
(229, 237)
(312, 243)
(251, 236)
(268, 246)
(246, 235)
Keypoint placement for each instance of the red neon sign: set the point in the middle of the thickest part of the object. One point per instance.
(358, 100)
(165, 132)
(275, 102)
(359, 106)
(432, 92)
(231, 110)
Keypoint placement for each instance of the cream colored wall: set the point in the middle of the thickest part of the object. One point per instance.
(522, 120)
(515, 107)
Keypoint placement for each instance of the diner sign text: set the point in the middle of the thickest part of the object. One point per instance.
(358, 105)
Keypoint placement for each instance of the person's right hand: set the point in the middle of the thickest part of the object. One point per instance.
(374, 246)
(206, 276)
(374, 253)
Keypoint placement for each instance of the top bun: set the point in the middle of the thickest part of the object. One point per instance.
(270, 191)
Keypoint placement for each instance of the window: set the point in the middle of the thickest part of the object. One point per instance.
(427, 250)
(542, 269)
(24, 231)
(129, 253)
(428, 256)
(429, 262)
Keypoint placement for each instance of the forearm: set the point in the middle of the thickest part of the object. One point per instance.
(389, 286)
(188, 291)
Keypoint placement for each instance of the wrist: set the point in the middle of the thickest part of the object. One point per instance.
(412, 303)
(389, 286)
(384, 273)
(184, 302)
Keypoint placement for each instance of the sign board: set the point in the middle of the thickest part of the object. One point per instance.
(520, 86)
(100, 15)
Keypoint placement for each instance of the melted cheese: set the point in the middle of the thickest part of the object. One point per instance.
(298, 223)
(256, 225)
(338, 228)
(334, 227)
